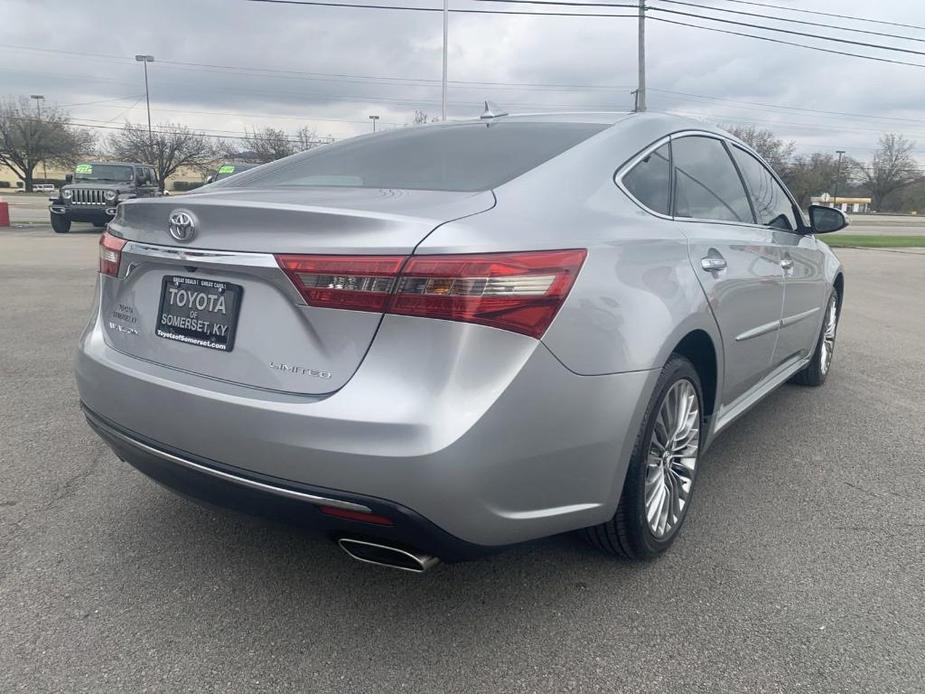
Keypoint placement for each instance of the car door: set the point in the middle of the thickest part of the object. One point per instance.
(801, 258)
(736, 261)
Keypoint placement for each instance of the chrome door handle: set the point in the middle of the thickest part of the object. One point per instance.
(787, 263)
(711, 263)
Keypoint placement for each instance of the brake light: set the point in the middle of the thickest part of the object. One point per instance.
(521, 292)
(110, 254)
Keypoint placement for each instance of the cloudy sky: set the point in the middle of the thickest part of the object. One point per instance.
(227, 65)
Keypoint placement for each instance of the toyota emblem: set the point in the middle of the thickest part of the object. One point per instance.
(182, 225)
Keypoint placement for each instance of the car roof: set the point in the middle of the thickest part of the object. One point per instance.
(119, 163)
(668, 121)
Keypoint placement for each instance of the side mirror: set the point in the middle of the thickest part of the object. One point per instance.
(823, 219)
(68, 178)
(210, 179)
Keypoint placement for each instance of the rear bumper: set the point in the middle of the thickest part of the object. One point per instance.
(481, 432)
(214, 483)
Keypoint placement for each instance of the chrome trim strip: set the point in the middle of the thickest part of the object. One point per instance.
(728, 414)
(243, 481)
(759, 330)
(201, 257)
(797, 317)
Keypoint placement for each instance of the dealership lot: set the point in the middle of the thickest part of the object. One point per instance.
(800, 567)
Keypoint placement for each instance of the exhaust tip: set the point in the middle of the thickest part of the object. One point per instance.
(384, 555)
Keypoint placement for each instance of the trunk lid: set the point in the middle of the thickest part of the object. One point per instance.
(279, 342)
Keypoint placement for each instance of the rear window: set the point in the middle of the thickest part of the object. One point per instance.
(461, 157)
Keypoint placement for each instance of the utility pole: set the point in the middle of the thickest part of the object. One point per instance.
(446, 24)
(840, 153)
(641, 86)
(374, 119)
(147, 59)
(39, 98)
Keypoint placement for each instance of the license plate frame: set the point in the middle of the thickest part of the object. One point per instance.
(193, 322)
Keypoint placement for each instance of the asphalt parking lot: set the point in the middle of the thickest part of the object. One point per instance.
(800, 568)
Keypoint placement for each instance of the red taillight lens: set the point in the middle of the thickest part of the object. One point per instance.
(110, 254)
(361, 283)
(521, 292)
(514, 291)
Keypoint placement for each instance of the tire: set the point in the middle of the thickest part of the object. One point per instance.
(99, 225)
(815, 373)
(629, 533)
(60, 224)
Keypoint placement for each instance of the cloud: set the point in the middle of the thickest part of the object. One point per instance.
(346, 64)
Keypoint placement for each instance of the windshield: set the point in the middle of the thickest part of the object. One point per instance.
(226, 170)
(103, 172)
(464, 157)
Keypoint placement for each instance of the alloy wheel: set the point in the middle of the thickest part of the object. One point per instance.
(672, 459)
(827, 346)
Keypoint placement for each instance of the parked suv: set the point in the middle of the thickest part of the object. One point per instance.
(94, 190)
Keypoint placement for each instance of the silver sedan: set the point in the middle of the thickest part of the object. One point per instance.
(434, 342)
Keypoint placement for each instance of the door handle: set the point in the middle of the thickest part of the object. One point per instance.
(712, 263)
(787, 263)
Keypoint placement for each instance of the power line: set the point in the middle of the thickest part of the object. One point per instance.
(409, 8)
(826, 14)
(786, 43)
(790, 32)
(788, 20)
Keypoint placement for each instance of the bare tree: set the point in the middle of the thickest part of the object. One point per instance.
(307, 138)
(892, 169)
(776, 152)
(269, 144)
(170, 148)
(26, 140)
(422, 118)
(814, 174)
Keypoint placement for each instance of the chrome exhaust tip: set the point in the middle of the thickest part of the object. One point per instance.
(383, 555)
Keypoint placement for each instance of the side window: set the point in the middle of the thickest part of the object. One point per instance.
(772, 206)
(649, 181)
(706, 183)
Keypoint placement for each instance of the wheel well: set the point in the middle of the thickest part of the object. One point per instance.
(698, 348)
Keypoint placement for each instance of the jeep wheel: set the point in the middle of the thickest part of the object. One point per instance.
(60, 224)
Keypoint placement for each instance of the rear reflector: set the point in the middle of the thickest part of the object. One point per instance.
(521, 292)
(347, 514)
(110, 254)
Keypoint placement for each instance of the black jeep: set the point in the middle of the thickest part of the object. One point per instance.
(94, 190)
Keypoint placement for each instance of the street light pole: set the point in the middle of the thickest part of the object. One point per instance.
(641, 43)
(840, 153)
(147, 59)
(374, 119)
(39, 98)
(446, 22)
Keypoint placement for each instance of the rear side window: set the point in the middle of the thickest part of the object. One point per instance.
(773, 207)
(465, 157)
(706, 183)
(649, 181)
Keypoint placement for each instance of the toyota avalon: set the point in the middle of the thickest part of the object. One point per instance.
(434, 342)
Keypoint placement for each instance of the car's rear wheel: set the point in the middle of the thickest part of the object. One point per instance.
(818, 368)
(60, 224)
(662, 470)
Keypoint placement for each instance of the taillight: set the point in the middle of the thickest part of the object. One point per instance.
(110, 254)
(514, 291)
(521, 292)
(361, 283)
